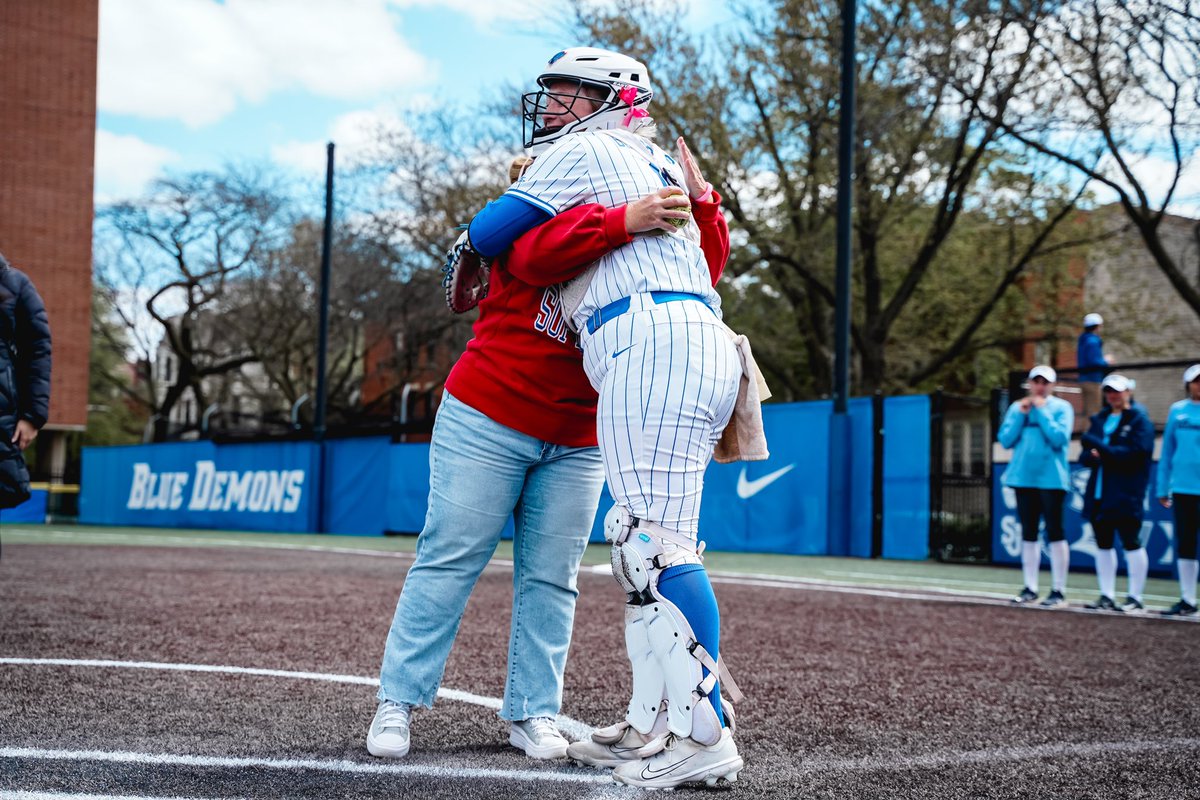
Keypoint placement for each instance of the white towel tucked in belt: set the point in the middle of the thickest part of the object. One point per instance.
(743, 438)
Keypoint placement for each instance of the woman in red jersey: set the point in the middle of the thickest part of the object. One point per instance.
(515, 436)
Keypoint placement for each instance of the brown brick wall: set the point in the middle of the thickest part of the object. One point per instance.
(47, 145)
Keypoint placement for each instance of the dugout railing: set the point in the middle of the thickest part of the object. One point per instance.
(960, 492)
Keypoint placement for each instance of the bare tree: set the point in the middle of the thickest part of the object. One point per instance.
(171, 257)
(415, 189)
(1120, 106)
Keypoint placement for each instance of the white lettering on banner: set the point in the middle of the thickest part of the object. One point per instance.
(150, 490)
(260, 490)
(1010, 534)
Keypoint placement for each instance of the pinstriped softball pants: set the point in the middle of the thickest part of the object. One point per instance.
(667, 376)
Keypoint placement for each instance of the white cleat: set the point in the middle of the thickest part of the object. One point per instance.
(609, 747)
(670, 761)
(388, 736)
(538, 737)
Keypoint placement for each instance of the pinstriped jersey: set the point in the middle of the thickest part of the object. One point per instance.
(613, 168)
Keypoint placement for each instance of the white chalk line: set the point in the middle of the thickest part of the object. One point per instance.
(942, 596)
(931, 593)
(572, 728)
(343, 766)
(599, 793)
(996, 755)
(27, 795)
(152, 539)
(1006, 588)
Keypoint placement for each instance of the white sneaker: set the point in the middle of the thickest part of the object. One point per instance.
(388, 737)
(609, 747)
(678, 761)
(538, 737)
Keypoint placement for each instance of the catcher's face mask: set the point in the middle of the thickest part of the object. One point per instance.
(561, 106)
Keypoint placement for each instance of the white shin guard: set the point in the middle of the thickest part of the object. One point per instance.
(670, 690)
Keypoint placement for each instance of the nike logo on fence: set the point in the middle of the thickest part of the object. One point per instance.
(747, 489)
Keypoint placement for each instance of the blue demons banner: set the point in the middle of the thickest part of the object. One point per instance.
(1158, 527)
(266, 487)
(370, 486)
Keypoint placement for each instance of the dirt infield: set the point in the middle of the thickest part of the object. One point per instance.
(848, 694)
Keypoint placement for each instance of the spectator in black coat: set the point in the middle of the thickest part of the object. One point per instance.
(24, 377)
(1118, 448)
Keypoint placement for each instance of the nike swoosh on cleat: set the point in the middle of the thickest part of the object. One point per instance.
(747, 489)
(648, 773)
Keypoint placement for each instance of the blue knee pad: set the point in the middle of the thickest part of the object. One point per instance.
(688, 587)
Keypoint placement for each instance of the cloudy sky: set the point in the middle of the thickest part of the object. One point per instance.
(190, 84)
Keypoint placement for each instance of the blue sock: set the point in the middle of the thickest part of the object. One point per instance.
(687, 586)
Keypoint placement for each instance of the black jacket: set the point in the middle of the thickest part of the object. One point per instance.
(1125, 461)
(24, 367)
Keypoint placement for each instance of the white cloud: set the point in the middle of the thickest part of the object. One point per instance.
(196, 60)
(486, 12)
(1155, 175)
(354, 135)
(125, 164)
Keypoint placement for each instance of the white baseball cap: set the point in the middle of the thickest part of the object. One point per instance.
(1092, 319)
(1043, 371)
(1191, 373)
(1118, 382)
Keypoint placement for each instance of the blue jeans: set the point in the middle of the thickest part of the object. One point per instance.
(480, 474)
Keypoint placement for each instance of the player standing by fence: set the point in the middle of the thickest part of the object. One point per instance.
(1037, 429)
(1118, 447)
(1179, 486)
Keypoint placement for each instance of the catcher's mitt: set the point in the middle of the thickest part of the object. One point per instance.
(465, 276)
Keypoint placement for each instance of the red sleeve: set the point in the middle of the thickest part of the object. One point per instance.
(714, 235)
(562, 246)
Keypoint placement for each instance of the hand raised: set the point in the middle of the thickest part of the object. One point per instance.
(696, 185)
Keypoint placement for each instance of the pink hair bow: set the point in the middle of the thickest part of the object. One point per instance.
(628, 95)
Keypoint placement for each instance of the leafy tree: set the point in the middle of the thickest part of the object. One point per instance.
(932, 181)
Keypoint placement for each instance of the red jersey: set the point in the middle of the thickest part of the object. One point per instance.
(524, 367)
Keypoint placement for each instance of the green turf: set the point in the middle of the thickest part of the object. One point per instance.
(1000, 581)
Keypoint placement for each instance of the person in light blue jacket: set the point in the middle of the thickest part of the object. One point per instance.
(1037, 429)
(1179, 486)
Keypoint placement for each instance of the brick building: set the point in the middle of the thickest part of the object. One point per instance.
(48, 53)
(1145, 319)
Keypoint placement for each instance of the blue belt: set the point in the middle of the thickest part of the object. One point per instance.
(619, 307)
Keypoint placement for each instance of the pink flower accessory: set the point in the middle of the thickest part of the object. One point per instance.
(628, 95)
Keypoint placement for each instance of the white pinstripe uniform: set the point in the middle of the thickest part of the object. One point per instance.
(666, 372)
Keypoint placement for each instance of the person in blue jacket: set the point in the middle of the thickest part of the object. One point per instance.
(1179, 486)
(24, 378)
(1092, 364)
(1118, 447)
(1037, 429)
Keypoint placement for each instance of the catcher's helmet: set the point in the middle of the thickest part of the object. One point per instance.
(598, 75)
